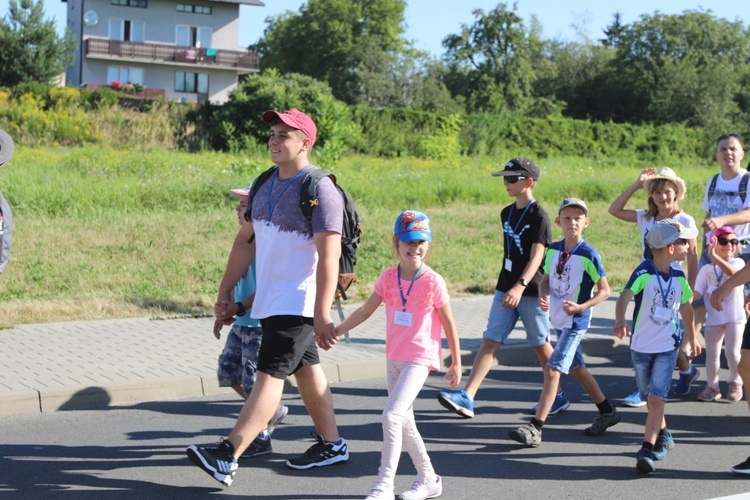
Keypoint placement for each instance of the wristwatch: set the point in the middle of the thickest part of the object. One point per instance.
(240, 309)
(524, 283)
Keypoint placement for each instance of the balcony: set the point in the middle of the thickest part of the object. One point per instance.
(242, 61)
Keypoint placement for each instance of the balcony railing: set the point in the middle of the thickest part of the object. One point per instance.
(159, 52)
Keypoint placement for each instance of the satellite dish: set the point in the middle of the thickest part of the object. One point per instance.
(90, 18)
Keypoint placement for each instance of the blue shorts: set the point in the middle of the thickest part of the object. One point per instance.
(653, 372)
(502, 321)
(238, 362)
(567, 354)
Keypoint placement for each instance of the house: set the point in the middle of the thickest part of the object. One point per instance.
(180, 49)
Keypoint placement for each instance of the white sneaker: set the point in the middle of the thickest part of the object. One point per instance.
(380, 491)
(422, 489)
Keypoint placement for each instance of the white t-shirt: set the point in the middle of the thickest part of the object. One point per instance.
(644, 224)
(709, 278)
(726, 200)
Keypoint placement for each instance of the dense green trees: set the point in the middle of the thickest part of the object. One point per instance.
(31, 50)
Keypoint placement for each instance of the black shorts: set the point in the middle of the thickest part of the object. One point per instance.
(746, 337)
(287, 345)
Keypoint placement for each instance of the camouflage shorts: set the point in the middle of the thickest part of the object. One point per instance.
(238, 362)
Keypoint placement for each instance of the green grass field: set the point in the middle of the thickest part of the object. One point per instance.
(102, 233)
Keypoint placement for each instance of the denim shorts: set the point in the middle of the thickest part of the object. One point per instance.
(238, 363)
(501, 321)
(567, 354)
(653, 372)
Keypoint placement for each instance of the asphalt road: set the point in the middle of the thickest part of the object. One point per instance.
(138, 451)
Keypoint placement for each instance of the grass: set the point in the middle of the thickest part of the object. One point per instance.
(100, 233)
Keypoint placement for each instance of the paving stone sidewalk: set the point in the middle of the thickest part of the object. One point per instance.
(88, 364)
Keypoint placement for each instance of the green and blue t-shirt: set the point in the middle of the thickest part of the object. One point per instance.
(658, 297)
(575, 281)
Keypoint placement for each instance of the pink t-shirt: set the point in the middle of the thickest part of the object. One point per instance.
(419, 343)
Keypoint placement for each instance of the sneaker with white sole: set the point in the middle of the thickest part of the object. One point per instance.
(634, 400)
(218, 462)
(561, 403)
(380, 491)
(527, 435)
(734, 393)
(320, 454)
(422, 488)
(682, 386)
(709, 394)
(280, 414)
(743, 468)
(457, 401)
(261, 445)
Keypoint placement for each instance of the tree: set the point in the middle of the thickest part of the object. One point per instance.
(329, 39)
(31, 50)
(490, 62)
(684, 68)
(613, 32)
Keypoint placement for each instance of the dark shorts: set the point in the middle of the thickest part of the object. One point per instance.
(746, 337)
(287, 346)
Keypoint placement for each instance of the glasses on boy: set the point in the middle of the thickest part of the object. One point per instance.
(680, 242)
(512, 179)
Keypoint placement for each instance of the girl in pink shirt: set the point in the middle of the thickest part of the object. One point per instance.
(416, 307)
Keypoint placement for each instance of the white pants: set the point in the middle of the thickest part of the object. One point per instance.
(405, 380)
(731, 334)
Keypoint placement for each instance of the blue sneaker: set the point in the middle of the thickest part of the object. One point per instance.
(664, 443)
(561, 404)
(645, 461)
(457, 401)
(683, 384)
(634, 400)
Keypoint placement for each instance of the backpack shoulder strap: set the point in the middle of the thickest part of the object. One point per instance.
(308, 197)
(712, 185)
(743, 186)
(257, 183)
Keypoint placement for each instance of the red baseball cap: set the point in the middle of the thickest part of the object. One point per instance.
(722, 231)
(294, 118)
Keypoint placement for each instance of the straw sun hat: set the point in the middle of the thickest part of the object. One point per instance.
(668, 174)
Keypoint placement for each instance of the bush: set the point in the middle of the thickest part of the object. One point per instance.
(104, 97)
(40, 92)
(269, 90)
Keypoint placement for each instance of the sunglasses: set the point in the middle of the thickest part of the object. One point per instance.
(726, 241)
(680, 241)
(512, 179)
(727, 136)
(564, 256)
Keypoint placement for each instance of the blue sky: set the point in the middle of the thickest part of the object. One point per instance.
(429, 21)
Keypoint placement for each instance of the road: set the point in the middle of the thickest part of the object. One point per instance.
(138, 451)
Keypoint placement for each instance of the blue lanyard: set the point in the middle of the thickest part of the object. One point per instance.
(509, 236)
(718, 275)
(664, 294)
(398, 277)
(272, 206)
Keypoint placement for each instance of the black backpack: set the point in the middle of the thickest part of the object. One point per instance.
(743, 185)
(351, 231)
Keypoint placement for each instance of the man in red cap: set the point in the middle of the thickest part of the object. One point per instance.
(296, 274)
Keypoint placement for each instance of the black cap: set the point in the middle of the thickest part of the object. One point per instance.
(520, 166)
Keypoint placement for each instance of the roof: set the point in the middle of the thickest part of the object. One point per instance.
(240, 2)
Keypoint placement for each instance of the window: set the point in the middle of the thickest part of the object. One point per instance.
(197, 9)
(130, 3)
(127, 31)
(193, 36)
(191, 82)
(124, 74)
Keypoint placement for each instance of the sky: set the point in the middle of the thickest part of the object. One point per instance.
(429, 21)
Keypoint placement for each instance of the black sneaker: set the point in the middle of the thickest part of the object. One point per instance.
(219, 462)
(743, 468)
(645, 461)
(320, 454)
(259, 446)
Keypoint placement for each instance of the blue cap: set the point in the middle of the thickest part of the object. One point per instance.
(412, 225)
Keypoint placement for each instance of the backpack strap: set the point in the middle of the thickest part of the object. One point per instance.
(743, 186)
(257, 183)
(712, 185)
(308, 195)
